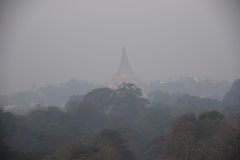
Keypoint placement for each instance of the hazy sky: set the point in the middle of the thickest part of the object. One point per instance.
(53, 41)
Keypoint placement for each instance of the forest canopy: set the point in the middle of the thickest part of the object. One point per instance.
(124, 124)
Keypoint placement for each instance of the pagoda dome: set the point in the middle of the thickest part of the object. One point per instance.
(124, 73)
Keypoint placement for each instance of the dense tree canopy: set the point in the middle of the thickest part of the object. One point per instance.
(123, 124)
(233, 96)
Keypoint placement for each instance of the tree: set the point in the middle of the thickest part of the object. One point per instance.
(108, 145)
(233, 96)
(128, 101)
(73, 150)
(191, 137)
(101, 96)
(128, 90)
(114, 140)
(5, 152)
(230, 136)
(231, 101)
(164, 97)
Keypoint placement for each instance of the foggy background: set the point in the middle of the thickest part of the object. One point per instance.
(54, 41)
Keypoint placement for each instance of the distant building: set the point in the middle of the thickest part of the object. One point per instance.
(124, 73)
(196, 79)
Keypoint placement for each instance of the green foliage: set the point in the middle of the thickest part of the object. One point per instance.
(233, 96)
(231, 101)
(108, 145)
(114, 140)
(128, 90)
(79, 132)
(86, 115)
(74, 150)
(192, 138)
(231, 108)
(36, 155)
(127, 102)
(44, 121)
(230, 137)
(156, 147)
(210, 118)
(130, 96)
(9, 125)
(5, 152)
(101, 96)
(3, 128)
(164, 97)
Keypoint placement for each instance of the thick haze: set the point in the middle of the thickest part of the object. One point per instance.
(53, 41)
